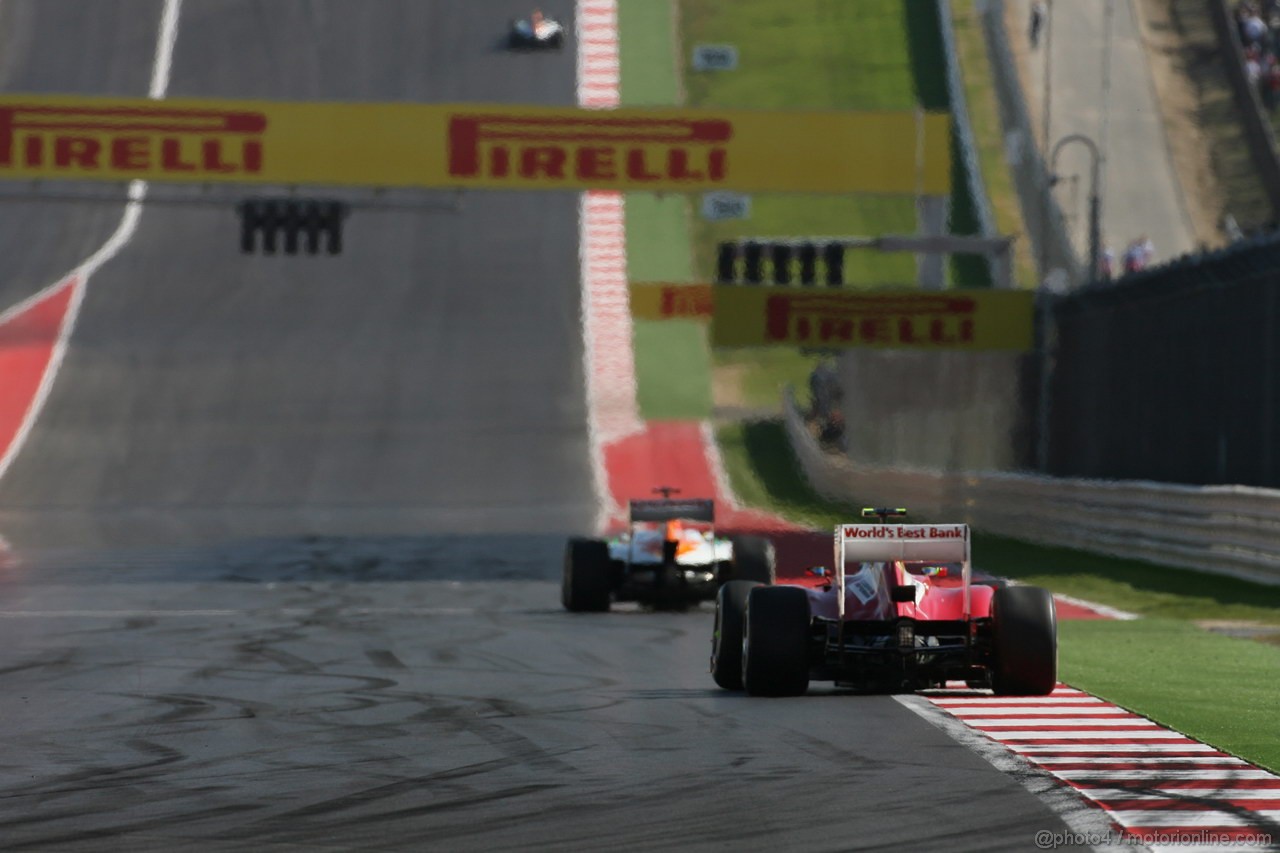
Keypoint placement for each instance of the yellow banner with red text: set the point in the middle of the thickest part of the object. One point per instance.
(471, 145)
(663, 301)
(975, 320)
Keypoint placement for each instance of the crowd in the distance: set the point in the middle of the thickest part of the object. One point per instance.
(1257, 22)
(1137, 256)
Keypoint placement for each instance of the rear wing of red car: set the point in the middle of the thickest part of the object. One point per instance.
(673, 510)
(881, 543)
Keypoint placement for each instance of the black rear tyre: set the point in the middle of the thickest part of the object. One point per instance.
(775, 644)
(586, 582)
(726, 639)
(1024, 642)
(754, 559)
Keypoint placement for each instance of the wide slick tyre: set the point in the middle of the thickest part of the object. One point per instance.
(586, 583)
(726, 637)
(754, 559)
(1024, 642)
(775, 641)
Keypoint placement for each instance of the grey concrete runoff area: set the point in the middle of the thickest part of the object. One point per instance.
(286, 537)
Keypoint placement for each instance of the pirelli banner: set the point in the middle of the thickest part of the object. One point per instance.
(975, 320)
(471, 145)
(663, 301)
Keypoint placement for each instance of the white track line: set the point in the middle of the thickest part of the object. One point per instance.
(1102, 609)
(1101, 710)
(161, 64)
(1157, 793)
(719, 474)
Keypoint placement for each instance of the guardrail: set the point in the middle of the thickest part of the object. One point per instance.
(1045, 224)
(964, 129)
(1229, 530)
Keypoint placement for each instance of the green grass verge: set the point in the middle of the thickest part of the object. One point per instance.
(801, 54)
(646, 52)
(926, 47)
(761, 375)
(984, 118)
(764, 473)
(1221, 690)
(657, 238)
(673, 370)
(807, 54)
(673, 360)
(1144, 588)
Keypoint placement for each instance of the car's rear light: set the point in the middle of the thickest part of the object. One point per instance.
(906, 635)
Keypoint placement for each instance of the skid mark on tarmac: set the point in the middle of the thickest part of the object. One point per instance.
(1161, 787)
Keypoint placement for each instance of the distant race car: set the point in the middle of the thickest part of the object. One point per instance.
(669, 556)
(898, 612)
(535, 31)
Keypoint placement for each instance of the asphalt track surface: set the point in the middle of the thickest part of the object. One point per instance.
(287, 530)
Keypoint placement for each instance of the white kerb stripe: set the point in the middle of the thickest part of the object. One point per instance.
(1155, 734)
(1229, 847)
(1100, 761)
(1182, 817)
(1065, 711)
(1157, 793)
(1046, 701)
(1034, 750)
(1064, 723)
(1163, 774)
(1086, 735)
(949, 702)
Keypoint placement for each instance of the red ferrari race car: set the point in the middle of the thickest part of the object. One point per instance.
(900, 611)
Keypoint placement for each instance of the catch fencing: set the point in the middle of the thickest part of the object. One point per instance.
(1040, 212)
(1170, 375)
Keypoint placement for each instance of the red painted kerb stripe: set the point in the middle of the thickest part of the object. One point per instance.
(27, 342)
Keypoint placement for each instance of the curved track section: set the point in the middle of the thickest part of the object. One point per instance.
(429, 379)
(91, 48)
(288, 529)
